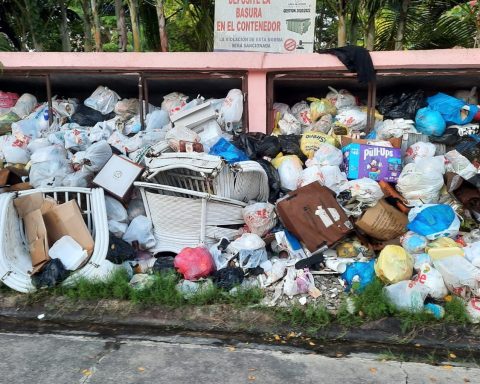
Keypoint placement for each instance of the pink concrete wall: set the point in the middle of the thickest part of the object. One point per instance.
(257, 65)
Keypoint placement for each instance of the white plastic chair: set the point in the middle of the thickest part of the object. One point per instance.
(15, 260)
(185, 218)
(243, 181)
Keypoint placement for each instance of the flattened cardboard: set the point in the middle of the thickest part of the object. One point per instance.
(36, 234)
(383, 222)
(67, 220)
(28, 203)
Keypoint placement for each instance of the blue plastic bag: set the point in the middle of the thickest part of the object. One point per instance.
(433, 221)
(450, 108)
(228, 151)
(364, 271)
(430, 122)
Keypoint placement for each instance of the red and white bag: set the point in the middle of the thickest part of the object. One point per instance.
(260, 218)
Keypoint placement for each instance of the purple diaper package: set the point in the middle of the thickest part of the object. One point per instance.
(374, 162)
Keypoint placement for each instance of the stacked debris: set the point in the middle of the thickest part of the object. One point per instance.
(328, 202)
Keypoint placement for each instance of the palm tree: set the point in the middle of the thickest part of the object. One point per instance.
(133, 7)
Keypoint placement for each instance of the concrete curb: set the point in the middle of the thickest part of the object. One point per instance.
(237, 323)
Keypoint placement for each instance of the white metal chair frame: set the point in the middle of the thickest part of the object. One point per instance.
(15, 260)
(185, 218)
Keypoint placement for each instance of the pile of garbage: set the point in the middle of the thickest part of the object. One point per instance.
(350, 199)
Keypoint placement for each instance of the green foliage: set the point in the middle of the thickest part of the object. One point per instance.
(413, 320)
(162, 291)
(372, 303)
(313, 316)
(455, 312)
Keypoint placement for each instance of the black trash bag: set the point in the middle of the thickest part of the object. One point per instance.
(257, 271)
(273, 179)
(450, 137)
(227, 278)
(269, 146)
(164, 264)
(88, 117)
(119, 250)
(51, 274)
(405, 105)
(247, 142)
(290, 144)
(257, 145)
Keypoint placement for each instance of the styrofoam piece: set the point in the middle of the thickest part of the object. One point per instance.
(195, 116)
(70, 253)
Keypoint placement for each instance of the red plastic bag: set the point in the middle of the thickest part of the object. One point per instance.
(194, 263)
(8, 99)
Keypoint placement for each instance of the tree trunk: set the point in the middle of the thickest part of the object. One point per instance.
(121, 26)
(87, 26)
(370, 41)
(342, 27)
(402, 21)
(64, 29)
(133, 6)
(161, 26)
(96, 24)
(342, 31)
(32, 26)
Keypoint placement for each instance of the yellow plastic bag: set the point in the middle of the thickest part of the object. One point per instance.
(289, 170)
(320, 107)
(311, 141)
(394, 264)
(442, 242)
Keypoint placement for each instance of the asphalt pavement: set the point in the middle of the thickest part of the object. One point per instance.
(82, 358)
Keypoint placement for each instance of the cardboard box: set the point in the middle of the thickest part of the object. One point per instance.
(377, 163)
(66, 219)
(345, 140)
(117, 176)
(28, 203)
(31, 209)
(383, 222)
(36, 234)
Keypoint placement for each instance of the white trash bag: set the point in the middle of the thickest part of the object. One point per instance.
(326, 154)
(97, 155)
(115, 210)
(140, 230)
(473, 310)
(260, 218)
(460, 276)
(174, 102)
(301, 112)
(419, 185)
(460, 165)
(353, 118)
(329, 176)
(232, 107)
(24, 105)
(407, 295)
(15, 151)
(281, 108)
(289, 125)
(102, 100)
(341, 99)
(116, 228)
(433, 280)
(157, 119)
(418, 151)
(290, 170)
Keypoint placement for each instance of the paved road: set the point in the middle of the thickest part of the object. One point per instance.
(74, 358)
